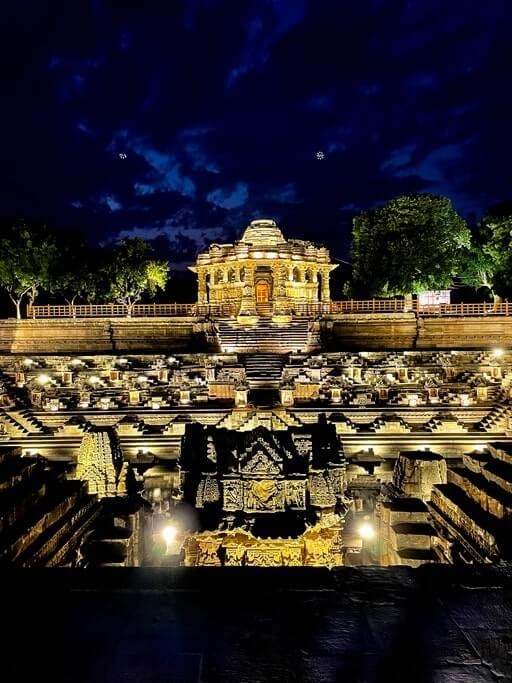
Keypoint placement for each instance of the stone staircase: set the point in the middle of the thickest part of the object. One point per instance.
(496, 420)
(265, 336)
(24, 422)
(264, 370)
(264, 310)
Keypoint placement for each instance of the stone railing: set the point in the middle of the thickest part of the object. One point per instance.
(121, 310)
(302, 310)
(401, 306)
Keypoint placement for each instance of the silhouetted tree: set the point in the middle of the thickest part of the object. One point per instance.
(76, 272)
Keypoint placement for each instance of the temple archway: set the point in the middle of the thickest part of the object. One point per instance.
(262, 292)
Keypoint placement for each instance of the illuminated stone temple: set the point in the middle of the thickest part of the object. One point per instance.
(263, 274)
(266, 431)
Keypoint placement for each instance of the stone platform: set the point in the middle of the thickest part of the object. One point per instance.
(436, 624)
(349, 331)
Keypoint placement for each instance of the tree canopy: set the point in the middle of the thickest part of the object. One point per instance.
(27, 257)
(411, 244)
(76, 273)
(131, 272)
(495, 239)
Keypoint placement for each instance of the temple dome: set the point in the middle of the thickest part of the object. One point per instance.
(264, 232)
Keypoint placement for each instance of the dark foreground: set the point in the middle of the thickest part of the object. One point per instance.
(437, 623)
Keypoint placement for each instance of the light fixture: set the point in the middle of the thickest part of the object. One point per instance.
(169, 534)
(76, 361)
(366, 531)
(94, 379)
(28, 362)
(497, 353)
(43, 379)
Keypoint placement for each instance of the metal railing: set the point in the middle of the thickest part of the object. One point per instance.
(302, 310)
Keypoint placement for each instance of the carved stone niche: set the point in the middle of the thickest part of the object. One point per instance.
(264, 495)
(241, 396)
(335, 394)
(482, 393)
(286, 395)
(403, 374)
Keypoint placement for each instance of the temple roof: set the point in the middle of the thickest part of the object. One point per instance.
(291, 451)
(264, 232)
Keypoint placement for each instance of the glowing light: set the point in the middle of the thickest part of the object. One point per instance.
(142, 378)
(366, 531)
(497, 353)
(94, 379)
(320, 155)
(28, 362)
(169, 534)
(44, 379)
(122, 155)
(76, 361)
(390, 377)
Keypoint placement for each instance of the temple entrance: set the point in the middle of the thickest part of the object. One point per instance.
(262, 292)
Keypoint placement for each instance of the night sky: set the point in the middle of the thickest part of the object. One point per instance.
(182, 121)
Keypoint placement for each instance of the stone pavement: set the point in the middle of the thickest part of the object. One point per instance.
(439, 624)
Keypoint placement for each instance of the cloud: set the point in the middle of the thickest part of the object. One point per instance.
(229, 199)
(221, 107)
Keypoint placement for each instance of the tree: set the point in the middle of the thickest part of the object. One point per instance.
(76, 272)
(478, 269)
(131, 272)
(411, 244)
(495, 237)
(27, 255)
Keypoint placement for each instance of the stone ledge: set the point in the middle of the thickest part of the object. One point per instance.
(441, 622)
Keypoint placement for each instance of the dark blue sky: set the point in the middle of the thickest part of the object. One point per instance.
(221, 107)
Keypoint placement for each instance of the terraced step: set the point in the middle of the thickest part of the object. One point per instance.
(264, 371)
(264, 336)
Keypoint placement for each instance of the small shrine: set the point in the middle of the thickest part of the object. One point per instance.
(263, 274)
(264, 498)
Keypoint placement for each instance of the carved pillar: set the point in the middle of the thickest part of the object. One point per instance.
(248, 313)
(303, 291)
(325, 293)
(281, 311)
(202, 292)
